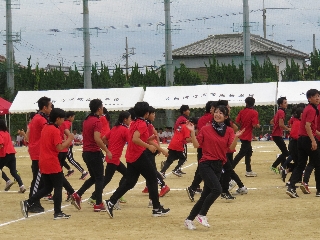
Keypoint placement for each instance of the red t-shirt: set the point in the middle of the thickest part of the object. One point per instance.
(294, 133)
(277, 131)
(180, 120)
(66, 125)
(204, 120)
(90, 125)
(36, 125)
(134, 151)
(179, 138)
(308, 115)
(7, 148)
(105, 126)
(247, 118)
(117, 138)
(48, 159)
(214, 147)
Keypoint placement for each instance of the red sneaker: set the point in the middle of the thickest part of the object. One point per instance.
(145, 190)
(100, 208)
(164, 191)
(76, 200)
(305, 188)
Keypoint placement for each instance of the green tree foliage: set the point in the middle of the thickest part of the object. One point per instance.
(312, 72)
(291, 72)
(185, 77)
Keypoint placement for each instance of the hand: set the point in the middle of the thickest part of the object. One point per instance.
(314, 145)
(258, 126)
(152, 148)
(165, 152)
(109, 155)
(71, 136)
(239, 133)
(289, 129)
(190, 126)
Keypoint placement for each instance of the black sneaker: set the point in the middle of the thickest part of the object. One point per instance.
(177, 173)
(84, 175)
(160, 212)
(198, 190)
(36, 209)
(318, 194)
(180, 171)
(227, 196)
(69, 173)
(190, 193)
(109, 208)
(61, 216)
(283, 175)
(292, 192)
(24, 208)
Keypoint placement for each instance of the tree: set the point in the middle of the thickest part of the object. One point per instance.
(184, 76)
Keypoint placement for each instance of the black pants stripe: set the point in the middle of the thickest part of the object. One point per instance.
(72, 161)
(36, 183)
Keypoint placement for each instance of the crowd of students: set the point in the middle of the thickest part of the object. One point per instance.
(214, 135)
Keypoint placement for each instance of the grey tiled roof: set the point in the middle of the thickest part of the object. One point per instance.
(232, 44)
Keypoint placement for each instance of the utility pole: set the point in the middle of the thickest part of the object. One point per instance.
(314, 44)
(86, 43)
(9, 48)
(264, 11)
(246, 43)
(126, 56)
(168, 56)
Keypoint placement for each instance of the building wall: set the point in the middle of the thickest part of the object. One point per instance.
(198, 64)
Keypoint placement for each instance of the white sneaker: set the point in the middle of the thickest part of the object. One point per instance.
(189, 224)
(232, 184)
(22, 189)
(117, 205)
(241, 191)
(251, 174)
(202, 220)
(8, 185)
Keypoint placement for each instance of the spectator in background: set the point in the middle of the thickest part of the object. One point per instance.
(77, 138)
(161, 135)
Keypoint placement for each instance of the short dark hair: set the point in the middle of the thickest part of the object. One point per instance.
(250, 101)
(56, 113)
(43, 102)
(70, 114)
(298, 112)
(222, 102)
(106, 114)
(141, 108)
(280, 100)
(209, 104)
(132, 113)
(184, 108)
(94, 105)
(3, 125)
(194, 120)
(312, 92)
(151, 110)
(225, 112)
(122, 116)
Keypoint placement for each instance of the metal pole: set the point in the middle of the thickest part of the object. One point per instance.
(9, 48)
(246, 43)
(86, 42)
(264, 21)
(127, 59)
(314, 44)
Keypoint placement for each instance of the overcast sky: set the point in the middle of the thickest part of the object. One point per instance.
(49, 27)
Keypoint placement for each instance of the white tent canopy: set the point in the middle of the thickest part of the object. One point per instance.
(114, 99)
(295, 92)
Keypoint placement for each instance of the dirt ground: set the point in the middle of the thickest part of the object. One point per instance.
(266, 212)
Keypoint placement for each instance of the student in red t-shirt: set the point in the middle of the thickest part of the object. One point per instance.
(138, 162)
(277, 133)
(117, 139)
(65, 128)
(216, 139)
(49, 164)
(248, 118)
(8, 154)
(34, 137)
(164, 189)
(205, 120)
(92, 145)
(308, 145)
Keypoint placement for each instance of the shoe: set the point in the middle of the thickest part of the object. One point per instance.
(68, 197)
(22, 189)
(84, 175)
(160, 212)
(100, 208)
(202, 220)
(150, 205)
(318, 194)
(251, 174)
(109, 206)
(305, 188)
(145, 190)
(117, 205)
(180, 171)
(91, 201)
(24, 208)
(227, 196)
(189, 224)
(50, 198)
(162, 164)
(76, 200)
(283, 175)
(232, 185)
(69, 173)
(275, 170)
(241, 191)
(177, 173)
(198, 190)
(164, 190)
(292, 192)
(163, 174)
(190, 193)
(61, 215)
(122, 200)
(47, 196)
(35, 209)
(8, 185)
